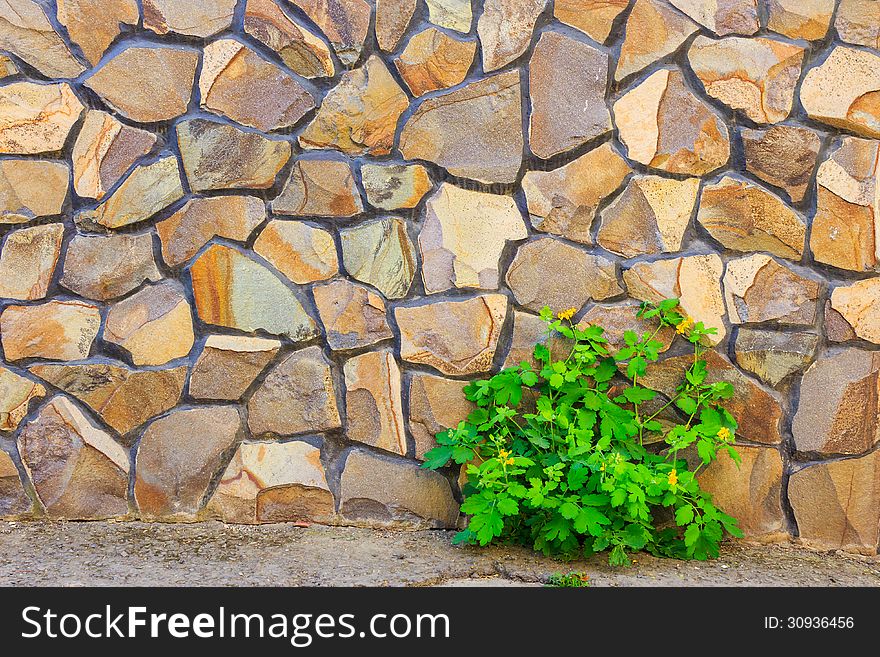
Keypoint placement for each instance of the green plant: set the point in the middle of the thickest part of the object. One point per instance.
(570, 581)
(565, 456)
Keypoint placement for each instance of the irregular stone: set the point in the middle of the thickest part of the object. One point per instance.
(619, 318)
(324, 188)
(397, 493)
(122, 397)
(14, 502)
(148, 189)
(373, 402)
(592, 17)
(463, 236)
(274, 482)
(452, 14)
(756, 411)
(229, 364)
(220, 156)
(587, 276)
(858, 305)
(186, 231)
(301, 252)
(303, 52)
(481, 128)
(757, 288)
(359, 115)
(858, 22)
(395, 186)
(79, 472)
(199, 18)
(744, 216)
(750, 491)
(564, 201)
(566, 115)
(694, 280)
(650, 216)
(178, 457)
(844, 91)
(782, 155)
(505, 28)
(94, 24)
(653, 30)
(392, 19)
(435, 405)
(55, 330)
(104, 151)
(27, 261)
(800, 19)
(434, 60)
(530, 330)
(454, 337)
(837, 504)
(147, 83)
(154, 325)
(722, 16)
(274, 99)
(753, 75)
(36, 118)
(665, 126)
(297, 396)
(8, 67)
(845, 229)
(344, 22)
(235, 291)
(380, 253)
(31, 189)
(837, 329)
(353, 315)
(25, 31)
(104, 267)
(16, 393)
(773, 356)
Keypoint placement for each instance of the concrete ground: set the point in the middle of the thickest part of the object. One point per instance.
(212, 554)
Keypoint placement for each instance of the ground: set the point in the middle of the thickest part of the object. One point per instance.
(139, 554)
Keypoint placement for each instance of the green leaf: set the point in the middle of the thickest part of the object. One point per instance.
(684, 515)
(630, 337)
(687, 405)
(569, 510)
(487, 526)
(508, 506)
(590, 521)
(556, 381)
(437, 457)
(691, 534)
(529, 378)
(636, 367)
(639, 395)
(605, 371)
(541, 353)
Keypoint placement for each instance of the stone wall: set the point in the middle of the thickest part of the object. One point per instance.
(251, 248)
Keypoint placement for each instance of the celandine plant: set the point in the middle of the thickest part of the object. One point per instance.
(564, 457)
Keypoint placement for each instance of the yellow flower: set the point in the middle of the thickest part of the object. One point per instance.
(602, 469)
(684, 325)
(566, 314)
(673, 478)
(503, 453)
(508, 461)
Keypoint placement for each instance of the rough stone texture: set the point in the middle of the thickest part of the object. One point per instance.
(8, 67)
(463, 236)
(528, 331)
(25, 31)
(566, 115)
(198, 18)
(273, 482)
(505, 28)
(435, 405)
(27, 261)
(746, 217)
(758, 288)
(843, 91)
(858, 22)
(30, 189)
(801, 19)
(94, 24)
(782, 155)
(55, 330)
(395, 186)
(380, 253)
(722, 16)
(353, 315)
(665, 126)
(452, 14)
(324, 188)
(773, 355)
(16, 393)
(301, 252)
(434, 60)
(121, 397)
(79, 472)
(235, 291)
(653, 30)
(564, 201)
(344, 22)
(298, 396)
(104, 267)
(373, 402)
(392, 19)
(650, 216)
(454, 337)
(837, 504)
(177, 458)
(481, 124)
(36, 118)
(229, 364)
(14, 502)
(592, 17)
(220, 156)
(858, 304)
(384, 492)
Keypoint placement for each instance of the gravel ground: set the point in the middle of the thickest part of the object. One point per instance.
(213, 554)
